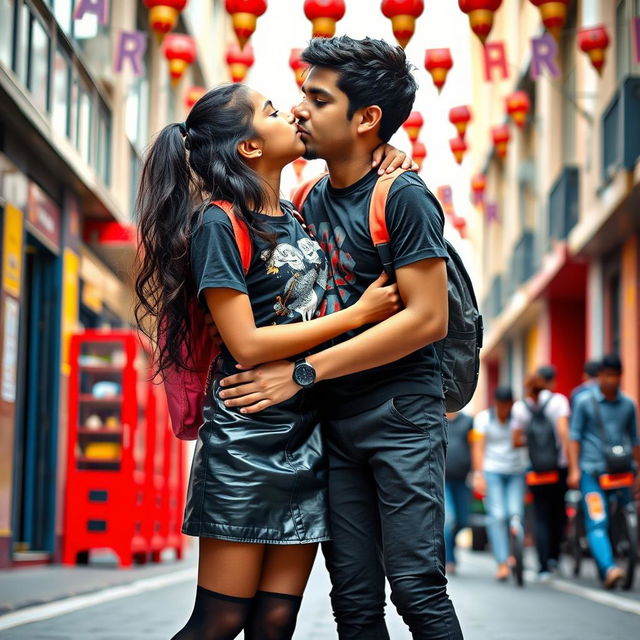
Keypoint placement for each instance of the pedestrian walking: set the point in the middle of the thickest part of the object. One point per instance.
(589, 380)
(499, 463)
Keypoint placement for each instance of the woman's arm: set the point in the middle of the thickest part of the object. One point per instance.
(250, 345)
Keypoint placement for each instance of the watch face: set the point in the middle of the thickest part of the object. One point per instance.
(304, 374)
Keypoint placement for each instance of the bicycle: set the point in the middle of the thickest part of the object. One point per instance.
(623, 526)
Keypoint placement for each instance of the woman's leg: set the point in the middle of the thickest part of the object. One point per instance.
(497, 522)
(284, 576)
(228, 577)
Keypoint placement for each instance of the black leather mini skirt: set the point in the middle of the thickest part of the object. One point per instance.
(258, 478)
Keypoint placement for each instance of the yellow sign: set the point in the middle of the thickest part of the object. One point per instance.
(12, 250)
(70, 303)
(92, 296)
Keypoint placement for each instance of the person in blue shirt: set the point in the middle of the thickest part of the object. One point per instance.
(617, 414)
(589, 380)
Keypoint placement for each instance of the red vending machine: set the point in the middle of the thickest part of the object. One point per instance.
(117, 462)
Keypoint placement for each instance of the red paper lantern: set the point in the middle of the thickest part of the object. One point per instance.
(403, 14)
(299, 66)
(594, 43)
(460, 224)
(193, 95)
(413, 124)
(553, 13)
(478, 187)
(298, 166)
(438, 62)
(180, 50)
(163, 14)
(245, 14)
(518, 106)
(418, 153)
(239, 61)
(480, 14)
(460, 117)
(501, 136)
(323, 15)
(458, 148)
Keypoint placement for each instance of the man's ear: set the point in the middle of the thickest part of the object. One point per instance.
(250, 149)
(369, 118)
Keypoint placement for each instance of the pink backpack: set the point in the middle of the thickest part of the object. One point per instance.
(186, 389)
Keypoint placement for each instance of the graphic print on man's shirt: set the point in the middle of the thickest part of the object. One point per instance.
(305, 267)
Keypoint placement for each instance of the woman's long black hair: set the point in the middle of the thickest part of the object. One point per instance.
(175, 188)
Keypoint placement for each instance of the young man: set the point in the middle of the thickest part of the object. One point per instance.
(385, 427)
(590, 373)
(605, 407)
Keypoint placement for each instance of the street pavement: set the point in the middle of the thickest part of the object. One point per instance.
(154, 610)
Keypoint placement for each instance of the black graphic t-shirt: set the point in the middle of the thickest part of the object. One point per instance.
(285, 284)
(339, 220)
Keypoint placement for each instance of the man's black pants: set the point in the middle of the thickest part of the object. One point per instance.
(386, 497)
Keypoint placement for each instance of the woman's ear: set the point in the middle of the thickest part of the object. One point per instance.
(370, 118)
(250, 149)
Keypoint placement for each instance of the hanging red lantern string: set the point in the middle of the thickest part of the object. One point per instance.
(193, 95)
(460, 117)
(244, 15)
(553, 14)
(323, 15)
(518, 106)
(413, 124)
(299, 66)
(480, 14)
(594, 42)
(438, 62)
(180, 50)
(239, 61)
(458, 148)
(501, 136)
(163, 15)
(403, 14)
(478, 187)
(418, 153)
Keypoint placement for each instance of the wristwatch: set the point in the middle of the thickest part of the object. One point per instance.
(304, 374)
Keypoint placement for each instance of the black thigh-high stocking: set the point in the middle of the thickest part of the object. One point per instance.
(272, 617)
(215, 616)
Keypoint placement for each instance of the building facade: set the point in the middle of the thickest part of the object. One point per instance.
(561, 263)
(72, 136)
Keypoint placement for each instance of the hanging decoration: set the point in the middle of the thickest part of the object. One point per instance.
(445, 197)
(460, 118)
(299, 66)
(163, 15)
(478, 187)
(501, 136)
(418, 153)
(180, 50)
(438, 62)
(239, 61)
(323, 15)
(544, 51)
(491, 211)
(99, 8)
(458, 148)
(244, 15)
(518, 106)
(193, 95)
(460, 225)
(403, 14)
(413, 124)
(298, 166)
(553, 14)
(594, 42)
(480, 14)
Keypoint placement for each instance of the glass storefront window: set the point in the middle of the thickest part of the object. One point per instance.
(39, 66)
(61, 93)
(7, 8)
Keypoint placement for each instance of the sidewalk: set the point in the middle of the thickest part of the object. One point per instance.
(29, 586)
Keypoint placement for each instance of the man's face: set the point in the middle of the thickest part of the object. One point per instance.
(609, 381)
(503, 409)
(322, 116)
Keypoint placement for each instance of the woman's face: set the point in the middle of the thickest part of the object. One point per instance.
(280, 141)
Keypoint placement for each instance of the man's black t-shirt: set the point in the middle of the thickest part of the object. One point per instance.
(285, 283)
(459, 450)
(339, 220)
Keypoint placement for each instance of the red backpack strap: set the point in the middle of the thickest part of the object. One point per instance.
(300, 193)
(240, 231)
(378, 219)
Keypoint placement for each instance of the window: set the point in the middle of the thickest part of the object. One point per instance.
(39, 65)
(7, 9)
(62, 10)
(137, 108)
(61, 93)
(85, 123)
(103, 144)
(568, 52)
(625, 11)
(134, 173)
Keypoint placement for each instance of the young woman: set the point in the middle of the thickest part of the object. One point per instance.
(256, 494)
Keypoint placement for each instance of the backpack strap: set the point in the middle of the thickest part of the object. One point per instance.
(301, 192)
(240, 231)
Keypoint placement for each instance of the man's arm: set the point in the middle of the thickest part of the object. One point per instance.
(573, 448)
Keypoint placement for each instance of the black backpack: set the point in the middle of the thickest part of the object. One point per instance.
(459, 352)
(541, 439)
